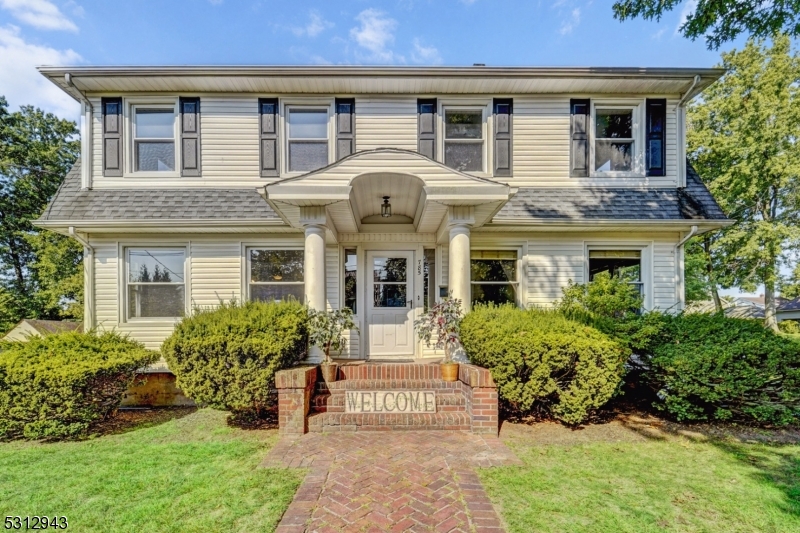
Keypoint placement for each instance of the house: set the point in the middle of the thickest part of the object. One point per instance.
(788, 309)
(739, 307)
(27, 328)
(381, 189)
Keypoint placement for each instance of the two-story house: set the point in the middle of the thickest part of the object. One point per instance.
(379, 189)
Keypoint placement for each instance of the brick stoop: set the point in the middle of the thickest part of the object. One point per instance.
(469, 404)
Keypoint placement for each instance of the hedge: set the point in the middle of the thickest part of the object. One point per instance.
(709, 366)
(227, 357)
(543, 359)
(56, 386)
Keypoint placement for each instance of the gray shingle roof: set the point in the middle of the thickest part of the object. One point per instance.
(71, 203)
(789, 305)
(578, 203)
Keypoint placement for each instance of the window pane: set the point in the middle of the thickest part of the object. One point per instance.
(389, 269)
(276, 265)
(464, 156)
(162, 266)
(389, 295)
(156, 301)
(613, 156)
(307, 156)
(350, 280)
(155, 123)
(626, 268)
(155, 156)
(463, 125)
(429, 277)
(493, 270)
(614, 123)
(498, 294)
(308, 124)
(275, 292)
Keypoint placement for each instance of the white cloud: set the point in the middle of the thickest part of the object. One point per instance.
(40, 14)
(571, 23)
(315, 26)
(375, 34)
(22, 83)
(428, 55)
(688, 8)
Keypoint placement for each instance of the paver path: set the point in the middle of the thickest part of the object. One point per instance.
(390, 481)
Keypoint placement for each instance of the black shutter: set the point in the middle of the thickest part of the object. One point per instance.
(426, 127)
(345, 127)
(190, 136)
(579, 138)
(655, 149)
(269, 148)
(503, 112)
(112, 136)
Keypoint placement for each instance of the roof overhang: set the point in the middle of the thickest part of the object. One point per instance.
(94, 226)
(599, 224)
(380, 80)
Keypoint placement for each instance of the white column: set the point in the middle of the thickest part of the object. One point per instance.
(315, 267)
(459, 285)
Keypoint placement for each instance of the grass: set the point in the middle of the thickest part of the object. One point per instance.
(673, 484)
(190, 474)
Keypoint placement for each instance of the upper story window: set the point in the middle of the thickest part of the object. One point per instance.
(614, 145)
(464, 138)
(154, 135)
(307, 137)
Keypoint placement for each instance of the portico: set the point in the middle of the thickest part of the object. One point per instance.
(429, 203)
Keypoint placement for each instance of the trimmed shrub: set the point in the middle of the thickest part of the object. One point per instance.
(709, 366)
(791, 327)
(605, 296)
(543, 359)
(58, 385)
(227, 357)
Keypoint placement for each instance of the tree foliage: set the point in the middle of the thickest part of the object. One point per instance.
(720, 21)
(742, 140)
(38, 270)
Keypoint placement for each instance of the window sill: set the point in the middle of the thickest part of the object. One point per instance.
(153, 321)
(636, 175)
(156, 175)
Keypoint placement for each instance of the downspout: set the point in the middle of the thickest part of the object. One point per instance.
(88, 280)
(87, 114)
(679, 265)
(681, 117)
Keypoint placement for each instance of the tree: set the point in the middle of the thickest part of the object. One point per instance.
(37, 149)
(743, 140)
(721, 20)
(790, 288)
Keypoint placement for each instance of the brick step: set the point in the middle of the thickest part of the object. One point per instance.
(388, 384)
(446, 400)
(390, 371)
(326, 422)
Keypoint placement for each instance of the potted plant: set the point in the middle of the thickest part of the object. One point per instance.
(326, 330)
(442, 320)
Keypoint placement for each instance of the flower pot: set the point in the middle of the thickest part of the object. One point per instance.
(449, 371)
(330, 371)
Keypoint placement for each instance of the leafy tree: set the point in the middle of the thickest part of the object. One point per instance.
(790, 288)
(742, 140)
(721, 20)
(36, 151)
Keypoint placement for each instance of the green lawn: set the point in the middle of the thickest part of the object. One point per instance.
(670, 484)
(186, 474)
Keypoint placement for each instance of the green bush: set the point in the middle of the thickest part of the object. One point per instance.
(543, 359)
(709, 366)
(792, 327)
(227, 357)
(58, 385)
(605, 296)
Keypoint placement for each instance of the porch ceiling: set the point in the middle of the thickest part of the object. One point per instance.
(419, 188)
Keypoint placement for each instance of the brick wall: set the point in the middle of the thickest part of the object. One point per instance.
(295, 389)
(482, 400)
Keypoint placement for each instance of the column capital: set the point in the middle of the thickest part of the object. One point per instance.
(459, 229)
(313, 215)
(314, 229)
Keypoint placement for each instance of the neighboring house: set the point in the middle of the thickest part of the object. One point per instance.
(740, 307)
(788, 309)
(29, 328)
(379, 189)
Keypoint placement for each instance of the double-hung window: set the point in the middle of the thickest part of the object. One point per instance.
(493, 275)
(623, 264)
(465, 138)
(307, 135)
(155, 284)
(615, 146)
(275, 275)
(154, 128)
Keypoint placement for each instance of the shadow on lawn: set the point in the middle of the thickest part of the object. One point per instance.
(774, 454)
(127, 420)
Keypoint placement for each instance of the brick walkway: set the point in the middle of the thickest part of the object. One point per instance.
(390, 481)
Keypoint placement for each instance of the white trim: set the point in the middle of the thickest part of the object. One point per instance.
(467, 104)
(638, 108)
(284, 105)
(128, 111)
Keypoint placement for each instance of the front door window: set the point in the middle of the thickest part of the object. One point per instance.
(390, 286)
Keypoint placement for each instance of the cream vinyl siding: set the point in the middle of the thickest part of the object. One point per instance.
(386, 123)
(551, 264)
(216, 273)
(229, 135)
(665, 277)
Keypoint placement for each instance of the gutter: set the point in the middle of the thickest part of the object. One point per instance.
(692, 233)
(88, 279)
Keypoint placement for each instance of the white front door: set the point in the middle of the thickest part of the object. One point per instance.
(390, 314)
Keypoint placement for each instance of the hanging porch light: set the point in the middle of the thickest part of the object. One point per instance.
(386, 208)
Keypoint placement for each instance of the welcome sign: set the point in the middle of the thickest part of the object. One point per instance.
(390, 401)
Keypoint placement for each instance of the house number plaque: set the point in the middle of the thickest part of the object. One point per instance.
(390, 401)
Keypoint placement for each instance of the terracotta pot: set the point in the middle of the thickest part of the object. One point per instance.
(330, 371)
(449, 371)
